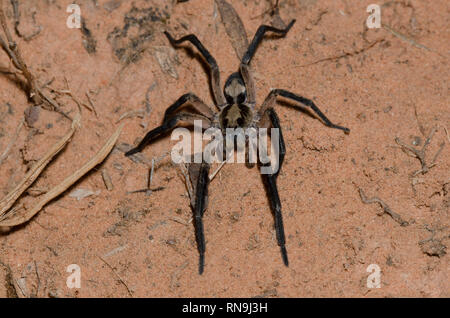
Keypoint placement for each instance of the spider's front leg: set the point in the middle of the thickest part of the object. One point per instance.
(271, 99)
(245, 68)
(171, 119)
(215, 73)
(259, 36)
(270, 118)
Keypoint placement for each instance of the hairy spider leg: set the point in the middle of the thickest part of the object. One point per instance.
(167, 125)
(272, 191)
(281, 92)
(258, 38)
(245, 68)
(275, 121)
(215, 73)
(200, 206)
(193, 100)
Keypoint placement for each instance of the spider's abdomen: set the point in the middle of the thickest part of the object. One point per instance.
(235, 115)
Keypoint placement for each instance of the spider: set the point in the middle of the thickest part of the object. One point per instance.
(236, 109)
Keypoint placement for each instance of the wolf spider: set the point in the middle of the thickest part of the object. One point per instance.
(236, 109)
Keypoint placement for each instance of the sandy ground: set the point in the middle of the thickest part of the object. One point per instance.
(382, 83)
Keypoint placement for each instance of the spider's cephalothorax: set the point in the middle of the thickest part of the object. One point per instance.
(236, 113)
(236, 108)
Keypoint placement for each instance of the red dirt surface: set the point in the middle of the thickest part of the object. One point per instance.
(382, 83)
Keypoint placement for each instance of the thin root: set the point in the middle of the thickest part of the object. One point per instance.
(386, 209)
(420, 153)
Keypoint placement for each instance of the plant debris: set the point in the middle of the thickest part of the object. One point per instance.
(234, 27)
(420, 153)
(433, 247)
(20, 218)
(386, 209)
(80, 193)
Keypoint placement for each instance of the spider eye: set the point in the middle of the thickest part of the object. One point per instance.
(240, 122)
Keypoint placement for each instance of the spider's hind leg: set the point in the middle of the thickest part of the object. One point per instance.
(271, 187)
(199, 175)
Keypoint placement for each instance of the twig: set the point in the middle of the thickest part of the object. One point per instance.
(75, 99)
(420, 153)
(19, 285)
(36, 170)
(64, 185)
(11, 48)
(132, 113)
(174, 277)
(187, 182)
(107, 180)
(273, 8)
(54, 104)
(338, 57)
(117, 275)
(446, 132)
(422, 130)
(211, 176)
(181, 221)
(11, 142)
(149, 190)
(38, 284)
(407, 39)
(386, 209)
(92, 103)
(150, 179)
(10, 285)
(16, 12)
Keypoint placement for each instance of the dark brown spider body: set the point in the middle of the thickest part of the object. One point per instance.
(236, 114)
(236, 109)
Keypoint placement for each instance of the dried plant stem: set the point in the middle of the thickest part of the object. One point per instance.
(11, 143)
(386, 209)
(212, 175)
(11, 48)
(117, 275)
(91, 103)
(107, 180)
(420, 153)
(35, 171)
(64, 185)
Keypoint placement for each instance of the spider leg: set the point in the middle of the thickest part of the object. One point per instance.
(275, 121)
(270, 100)
(201, 194)
(167, 125)
(247, 76)
(271, 187)
(192, 99)
(215, 74)
(258, 38)
(245, 70)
